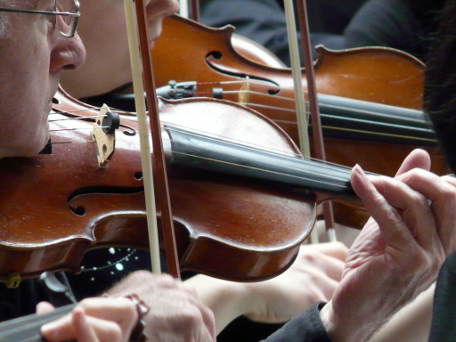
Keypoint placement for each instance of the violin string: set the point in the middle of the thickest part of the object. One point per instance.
(61, 142)
(327, 168)
(232, 140)
(57, 112)
(280, 173)
(333, 128)
(250, 80)
(285, 98)
(252, 146)
(74, 129)
(252, 92)
(77, 118)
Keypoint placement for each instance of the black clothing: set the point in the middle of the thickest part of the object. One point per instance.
(22, 301)
(393, 23)
(401, 24)
(443, 328)
(307, 327)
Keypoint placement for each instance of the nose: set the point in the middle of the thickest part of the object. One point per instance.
(68, 53)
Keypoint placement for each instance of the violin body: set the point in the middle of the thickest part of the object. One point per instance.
(189, 51)
(57, 206)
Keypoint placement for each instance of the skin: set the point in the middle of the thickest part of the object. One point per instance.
(403, 245)
(393, 246)
(33, 54)
(108, 59)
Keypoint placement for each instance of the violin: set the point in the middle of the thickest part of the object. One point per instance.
(243, 198)
(370, 98)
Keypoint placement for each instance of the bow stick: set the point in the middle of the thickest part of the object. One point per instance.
(141, 64)
(301, 108)
(189, 9)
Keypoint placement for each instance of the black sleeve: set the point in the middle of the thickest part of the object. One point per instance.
(443, 328)
(306, 327)
(22, 301)
(389, 23)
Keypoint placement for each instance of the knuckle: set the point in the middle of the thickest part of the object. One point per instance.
(141, 276)
(191, 318)
(448, 196)
(166, 281)
(86, 303)
(419, 199)
(308, 258)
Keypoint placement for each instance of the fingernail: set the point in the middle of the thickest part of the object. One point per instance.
(47, 330)
(359, 170)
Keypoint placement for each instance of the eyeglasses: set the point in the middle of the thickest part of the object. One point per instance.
(68, 10)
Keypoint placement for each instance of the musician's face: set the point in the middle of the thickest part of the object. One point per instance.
(32, 54)
(102, 28)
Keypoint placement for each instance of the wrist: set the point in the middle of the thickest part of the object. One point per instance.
(342, 326)
(226, 299)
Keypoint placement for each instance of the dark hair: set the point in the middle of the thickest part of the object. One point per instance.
(440, 82)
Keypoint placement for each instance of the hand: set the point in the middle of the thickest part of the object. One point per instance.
(175, 312)
(399, 251)
(313, 277)
(93, 320)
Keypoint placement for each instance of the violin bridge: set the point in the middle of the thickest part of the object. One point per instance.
(104, 135)
(244, 92)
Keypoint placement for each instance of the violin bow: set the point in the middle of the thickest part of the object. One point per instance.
(189, 9)
(143, 82)
(318, 149)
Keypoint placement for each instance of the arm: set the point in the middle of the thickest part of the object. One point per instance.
(411, 324)
(312, 278)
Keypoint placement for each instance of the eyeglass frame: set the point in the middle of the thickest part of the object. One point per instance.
(75, 16)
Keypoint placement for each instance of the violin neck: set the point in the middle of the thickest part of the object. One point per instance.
(358, 119)
(193, 150)
(28, 328)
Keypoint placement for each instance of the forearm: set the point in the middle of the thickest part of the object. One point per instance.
(412, 323)
(226, 299)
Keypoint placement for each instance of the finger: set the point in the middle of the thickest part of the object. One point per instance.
(443, 202)
(75, 327)
(44, 307)
(84, 332)
(450, 179)
(119, 309)
(328, 265)
(418, 158)
(55, 330)
(209, 322)
(414, 210)
(394, 231)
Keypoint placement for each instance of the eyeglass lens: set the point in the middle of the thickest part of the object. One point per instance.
(68, 6)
